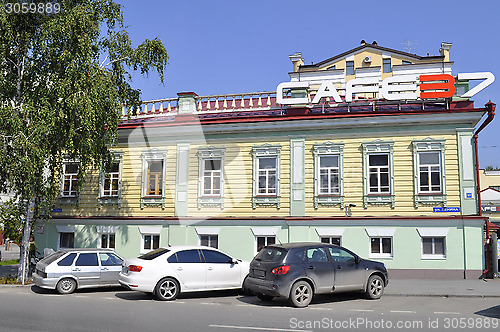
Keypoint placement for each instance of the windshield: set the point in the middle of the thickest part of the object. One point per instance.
(49, 259)
(153, 254)
(270, 254)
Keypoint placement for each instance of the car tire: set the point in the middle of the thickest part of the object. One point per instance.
(167, 289)
(374, 287)
(66, 286)
(301, 294)
(265, 298)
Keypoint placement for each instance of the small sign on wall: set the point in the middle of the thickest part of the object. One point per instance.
(446, 209)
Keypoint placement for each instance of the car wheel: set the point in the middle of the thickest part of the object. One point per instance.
(265, 298)
(374, 288)
(301, 294)
(167, 289)
(66, 286)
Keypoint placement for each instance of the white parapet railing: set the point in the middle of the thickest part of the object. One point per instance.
(250, 101)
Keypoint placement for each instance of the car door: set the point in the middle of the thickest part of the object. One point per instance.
(349, 274)
(111, 265)
(221, 270)
(191, 272)
(320, 269)
(86, 268)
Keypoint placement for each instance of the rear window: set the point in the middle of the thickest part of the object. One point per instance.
(55, 256)
(270, 254)
(68, 260)
(153, 254)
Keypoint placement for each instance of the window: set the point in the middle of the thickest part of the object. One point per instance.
(316, 255)
(87, 259)
(66, 240)
(151, 242)
(109, 259)
(378, 170)
(381, 247)
(328, 174)
(209, 241)
(378, 173)
(216, 257)
(331, 240)
(263, 241)
(70, 177)
(331, 68)
(429, 165)
(211, 177)
(349, 68)
(188, 256)
(341, 255)
(153, 178)
(433, 247)
(110, 186)
(111, 179)
(406, 62)
(266, 175)
(108, 241)
(68, 260)
(429, 172)
(386, 64)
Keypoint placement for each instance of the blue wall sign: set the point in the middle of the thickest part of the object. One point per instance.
(446, 209)
(56, 210)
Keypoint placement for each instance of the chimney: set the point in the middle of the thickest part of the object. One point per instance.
(297, 60)
(445, 50)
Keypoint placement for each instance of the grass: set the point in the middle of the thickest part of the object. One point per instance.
(11, 262)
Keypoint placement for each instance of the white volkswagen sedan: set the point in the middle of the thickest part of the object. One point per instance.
(166, 272)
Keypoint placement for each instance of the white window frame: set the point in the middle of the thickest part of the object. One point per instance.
(381, 254)
(434, 255)
(266, 199)
(433, 232)
(431, 197)
(266, 241)
(330, 239)
(330, 232)
(378, 147)
(266, 232)
(325, 150)
(106, 230)
(149, 231)
(210, 232)
(72, 180)
(111, 199)
(65, 229)
(69, 199)
(210, 200)
(146, 157)
(211, 238)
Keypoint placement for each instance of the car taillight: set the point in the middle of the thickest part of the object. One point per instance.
(281, 269)
(134, 268)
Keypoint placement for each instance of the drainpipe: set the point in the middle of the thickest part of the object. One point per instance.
(490, 107)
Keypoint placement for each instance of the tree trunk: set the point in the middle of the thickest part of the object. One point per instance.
(22, 273)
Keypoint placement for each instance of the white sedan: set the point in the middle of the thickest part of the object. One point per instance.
(166, 272)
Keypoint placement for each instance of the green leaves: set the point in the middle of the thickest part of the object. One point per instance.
(65, 78)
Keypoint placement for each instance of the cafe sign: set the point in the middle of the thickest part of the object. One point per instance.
(402, 87)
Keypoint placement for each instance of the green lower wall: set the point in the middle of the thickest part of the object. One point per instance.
(239, 241)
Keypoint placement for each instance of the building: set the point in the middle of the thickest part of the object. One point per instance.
(490, 194)
(372, 149)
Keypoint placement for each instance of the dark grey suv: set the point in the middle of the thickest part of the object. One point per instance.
(297, 271)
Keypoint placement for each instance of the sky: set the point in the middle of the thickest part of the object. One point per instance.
(219, 47)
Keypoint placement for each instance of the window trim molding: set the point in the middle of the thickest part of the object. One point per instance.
(211, 152)
(378, 147)
(111, 200)
(153, 155)
(68, 200)
(101, 230)
(262, 151)
(326, 149)
(152, 231)
(428, 145)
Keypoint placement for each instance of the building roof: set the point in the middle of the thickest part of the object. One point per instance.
(373, 46)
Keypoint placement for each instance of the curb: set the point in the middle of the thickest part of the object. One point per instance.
(444, 295)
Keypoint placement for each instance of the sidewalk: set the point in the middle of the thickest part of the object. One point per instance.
(444, 287)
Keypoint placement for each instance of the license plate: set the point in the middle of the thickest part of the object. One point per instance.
(259, 273)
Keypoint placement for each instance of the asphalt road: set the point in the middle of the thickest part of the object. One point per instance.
(34, 309)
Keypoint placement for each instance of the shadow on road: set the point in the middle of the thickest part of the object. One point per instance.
(140, 296)
(39, 290)
(493, 312)
(317, 299)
